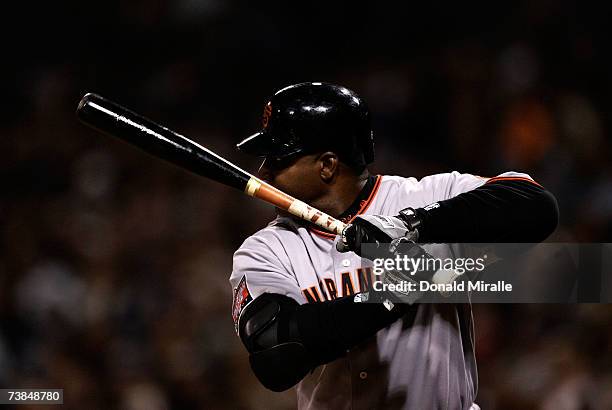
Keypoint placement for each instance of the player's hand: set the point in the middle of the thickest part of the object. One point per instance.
(379, 237)
(375, 230)
(375, 236)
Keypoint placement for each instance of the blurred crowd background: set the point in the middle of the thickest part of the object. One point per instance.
(114, 266)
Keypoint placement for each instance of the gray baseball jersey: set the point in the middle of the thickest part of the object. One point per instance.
(425, 360)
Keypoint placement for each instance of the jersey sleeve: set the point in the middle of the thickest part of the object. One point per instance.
(260, 266)
(449, 185)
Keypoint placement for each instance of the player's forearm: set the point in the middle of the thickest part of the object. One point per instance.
(330, 328)
(500, 211)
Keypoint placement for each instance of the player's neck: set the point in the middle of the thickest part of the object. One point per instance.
(342, 193)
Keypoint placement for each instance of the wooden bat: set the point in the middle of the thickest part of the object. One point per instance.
(118, 121)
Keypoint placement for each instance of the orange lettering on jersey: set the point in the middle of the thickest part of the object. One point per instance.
(347, 284)
(312, 294)
(331, 288)
(322, 288)
(365, 279)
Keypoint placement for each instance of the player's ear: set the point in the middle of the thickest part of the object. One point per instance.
(328, 163)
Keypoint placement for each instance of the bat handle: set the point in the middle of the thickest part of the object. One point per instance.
(259, 189)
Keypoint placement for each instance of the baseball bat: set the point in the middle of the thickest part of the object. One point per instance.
(115, 120)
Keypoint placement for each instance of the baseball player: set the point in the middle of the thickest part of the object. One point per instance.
(295, 306)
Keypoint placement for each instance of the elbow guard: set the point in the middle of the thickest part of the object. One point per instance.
(269, 331)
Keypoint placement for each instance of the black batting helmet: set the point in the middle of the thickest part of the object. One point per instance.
(307, 117)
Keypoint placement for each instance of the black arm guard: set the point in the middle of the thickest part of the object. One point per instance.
(269, 332)
(287, 340)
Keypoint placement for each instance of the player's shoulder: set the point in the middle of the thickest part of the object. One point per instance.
(398, 192)
(396, 182)
(414, 181)
(271, 235)
(440, 186)
(393, 182)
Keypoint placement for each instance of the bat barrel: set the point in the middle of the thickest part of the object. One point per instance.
(115, 120)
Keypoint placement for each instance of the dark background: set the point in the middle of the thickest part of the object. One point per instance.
(114, 265)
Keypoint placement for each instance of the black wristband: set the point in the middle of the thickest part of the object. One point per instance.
(414, 219)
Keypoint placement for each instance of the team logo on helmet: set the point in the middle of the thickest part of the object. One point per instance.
(266, 115)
